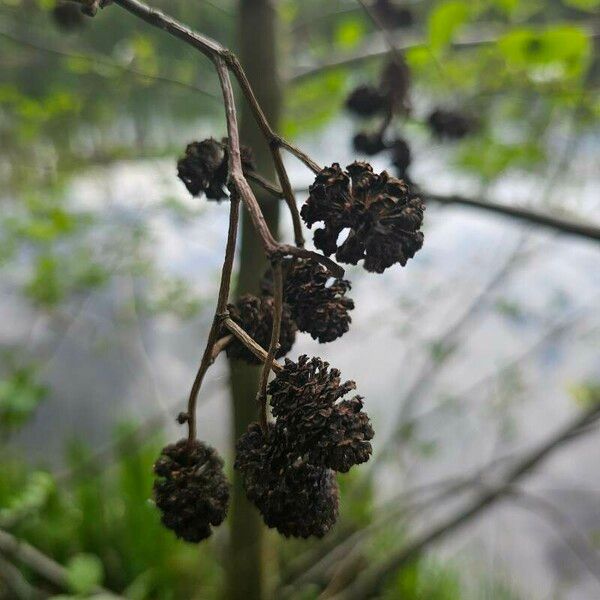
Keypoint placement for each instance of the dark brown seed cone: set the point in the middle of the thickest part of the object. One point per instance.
(366, 101)
(255, 316)
(368, 143)
(191, 489)
(68, 16)
(381, 212)
(304, 399)
(394, 14)
(318, 306)
(204, 168)
(451, 124)
(293, 496)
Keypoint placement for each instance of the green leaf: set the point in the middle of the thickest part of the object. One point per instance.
(349, 32)
(84, 573)
(557, 53)
(20, 395)
(586, 395)
(445, 20)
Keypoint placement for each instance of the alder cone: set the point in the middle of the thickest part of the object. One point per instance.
(451, 124)
(68, 16)
(381, 212)
(304, 399)
(318, 305)
(191, 489)
(395, 15)
(401, 157)
(368, 143)
(204, 169)
(366, 101)
(255, 316)
(293, 496)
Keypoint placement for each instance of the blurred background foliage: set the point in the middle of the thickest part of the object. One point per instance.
(79, 94)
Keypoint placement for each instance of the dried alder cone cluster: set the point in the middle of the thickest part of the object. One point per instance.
(382, 214)
(289, 465)
(289, 470)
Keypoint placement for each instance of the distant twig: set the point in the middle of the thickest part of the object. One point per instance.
(573, 538)
(588, 231)
(371, 581)
(93, 59)
(38, 562)
(468, 40)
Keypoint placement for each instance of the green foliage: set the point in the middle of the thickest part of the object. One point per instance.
(20, 395)
(101, 524)
(556, 54)
(445, 20)
(35, 493)
(84, 573)
(426, 580)
(315, 102)
(349, 32)
(586, 395)
(490, 158)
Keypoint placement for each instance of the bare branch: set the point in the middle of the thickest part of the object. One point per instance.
(38, 562)
(208, 356)
(527, 215)
(372, 580)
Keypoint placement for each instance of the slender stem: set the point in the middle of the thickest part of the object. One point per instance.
(213, 335)
(288, 195)
(224, 60)
(274, 345)
(301, 156)
(220, 345)
(247, 340)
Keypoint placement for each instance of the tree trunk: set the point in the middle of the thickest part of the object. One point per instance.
(258, 53)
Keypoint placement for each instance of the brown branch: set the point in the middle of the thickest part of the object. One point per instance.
(38, 562)
(247, 340)
(214, 50)
(274, 344)
(221, 345)
(528, 215)
(373, 579)
(208, 356)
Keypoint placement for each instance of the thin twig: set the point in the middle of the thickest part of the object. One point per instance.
(208, 356)
(38, 562)
(528, 215)
(468, 40)
(573, 538)
(97, 60)
(274, 344)
(247, 340)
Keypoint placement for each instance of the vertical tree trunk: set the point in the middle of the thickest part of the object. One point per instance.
(258, 53)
